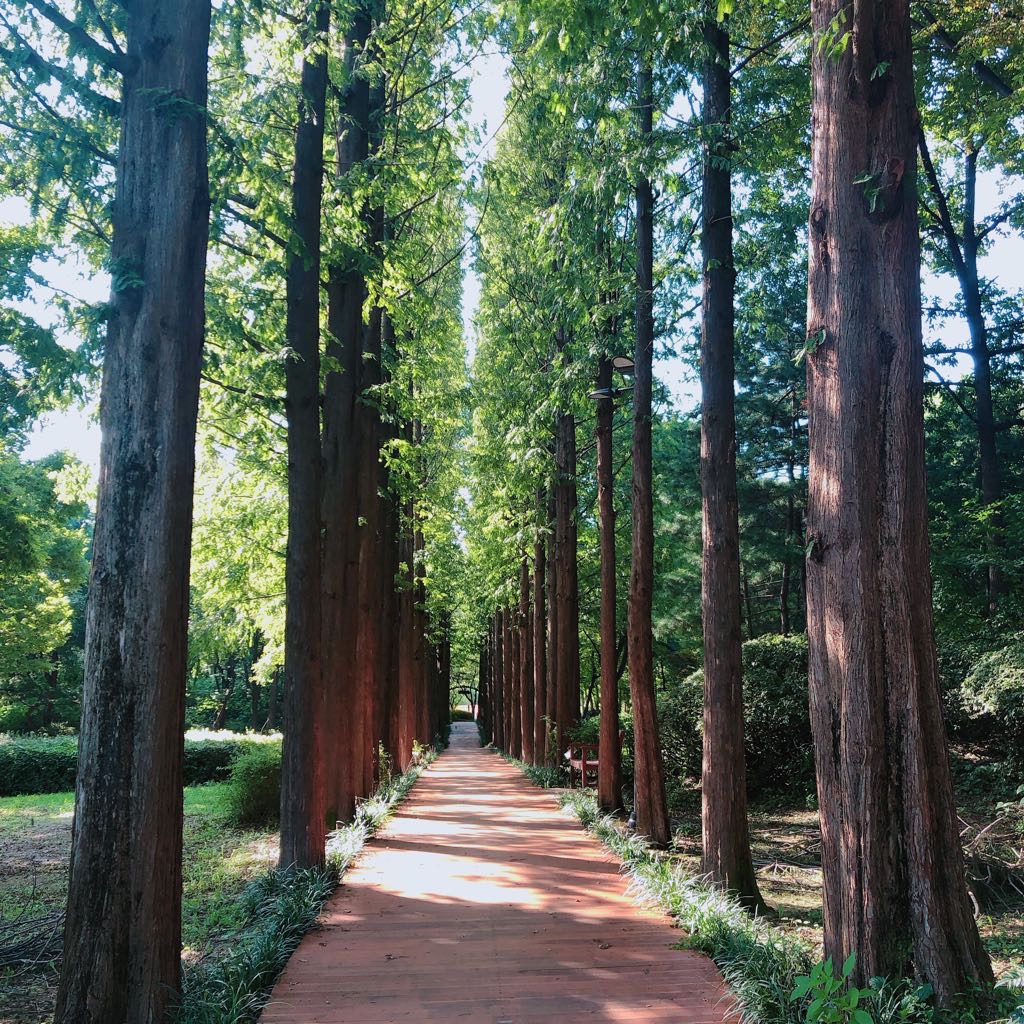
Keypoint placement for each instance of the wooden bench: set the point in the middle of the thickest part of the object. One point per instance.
(584, 760)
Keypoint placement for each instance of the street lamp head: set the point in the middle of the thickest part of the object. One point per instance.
(602, 393)
(624, 364)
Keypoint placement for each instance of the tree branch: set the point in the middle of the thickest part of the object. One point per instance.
(113, 59)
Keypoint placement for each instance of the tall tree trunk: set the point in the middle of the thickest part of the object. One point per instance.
(407, 643)
(651, 808)
(498, 674)
(963, 252)
(514, 737)
(609, 776)
(551, 697)
(122, 937)
(303, 801)
(272, 703)
(540, 654)
(566, 562)
(346, 290)
(526, 661)
(726, 856)
(894, 880)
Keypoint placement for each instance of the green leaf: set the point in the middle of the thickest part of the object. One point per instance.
(849, 964)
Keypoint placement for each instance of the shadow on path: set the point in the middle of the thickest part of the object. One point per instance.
(481, 903)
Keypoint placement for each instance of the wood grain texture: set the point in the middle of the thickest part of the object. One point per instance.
(480, 902)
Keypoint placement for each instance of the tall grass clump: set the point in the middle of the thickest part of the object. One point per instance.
(280, 908)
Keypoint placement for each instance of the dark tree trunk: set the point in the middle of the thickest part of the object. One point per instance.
(303, 806)
(894, 881)
(609, 779)
(272, 703)
(726, 856)
(501, 705)
(346, 291)
(526, 661)
(372, 595)
(420, 620)
(963, 253)
(407, 645)
(540, 654)
(551, 696)
(122, 938)
(512, 630)
(567, 651)
(651, 808)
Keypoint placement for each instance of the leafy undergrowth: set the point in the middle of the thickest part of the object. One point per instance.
(240, 918)
(762, 959)
(35, 838)
(276, 911)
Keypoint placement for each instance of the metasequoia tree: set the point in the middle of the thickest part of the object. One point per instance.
(609, 780)
(893, 866)
(726, 844)
(650, 806)
(302, 789)
(122, 937)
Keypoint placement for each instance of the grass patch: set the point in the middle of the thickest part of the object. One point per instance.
(273, 914)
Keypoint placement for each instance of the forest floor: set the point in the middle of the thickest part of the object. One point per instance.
(35, 836)
(786, 846)
(35, 841)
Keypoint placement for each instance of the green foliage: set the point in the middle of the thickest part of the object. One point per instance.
(777, 719)
(993, 692)
(37, 764)
(44, 532)
(286, 905)
(48, 764)
(832, 999)
(255, 781)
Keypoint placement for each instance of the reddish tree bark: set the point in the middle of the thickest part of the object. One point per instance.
(650, 805)
(540, 658)
(346, 291)
(567, 649)
(303, 800)
(726, 842)
(501, 705)
(526, 661)
(609, 777)
(551, 697)
(894, 880)
(122, 936)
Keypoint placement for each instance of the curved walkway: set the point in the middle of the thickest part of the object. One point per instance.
(481, 903)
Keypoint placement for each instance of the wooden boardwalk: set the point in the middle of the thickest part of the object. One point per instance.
(481, 903)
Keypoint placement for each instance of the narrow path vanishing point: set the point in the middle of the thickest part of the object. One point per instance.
(481, 903)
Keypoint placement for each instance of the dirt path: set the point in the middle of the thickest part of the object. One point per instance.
(481, 903)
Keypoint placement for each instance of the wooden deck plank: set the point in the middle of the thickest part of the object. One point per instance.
(481, 903)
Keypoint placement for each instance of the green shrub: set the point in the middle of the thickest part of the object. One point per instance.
(48, 764)
(254, 796)
(780, 755)
(37, 764)
(993, 697)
